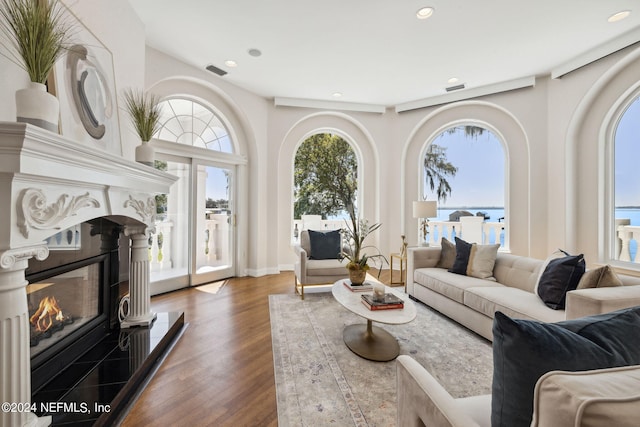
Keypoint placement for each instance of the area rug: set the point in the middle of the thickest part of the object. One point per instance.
(320, 382)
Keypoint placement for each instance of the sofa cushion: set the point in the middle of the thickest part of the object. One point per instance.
(447, 254)
(589, 398)
(326, 267)
(463, 250)
(517, 271)
(600, 277)
(482, 258)
(560, 276)
(524, 350)
(324, 244)
(513, 302)
(448, 284)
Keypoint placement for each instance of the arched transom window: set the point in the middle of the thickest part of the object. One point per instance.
(191, 123)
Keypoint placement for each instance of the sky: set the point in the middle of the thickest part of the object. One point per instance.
(627, 157)
(479, 181)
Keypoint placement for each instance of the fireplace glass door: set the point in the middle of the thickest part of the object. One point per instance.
(62, 304)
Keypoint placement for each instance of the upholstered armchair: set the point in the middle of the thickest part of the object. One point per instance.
(318, 270)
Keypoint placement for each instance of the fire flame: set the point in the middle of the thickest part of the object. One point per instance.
(48, 309)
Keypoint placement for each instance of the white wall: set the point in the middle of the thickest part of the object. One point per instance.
(553, 132)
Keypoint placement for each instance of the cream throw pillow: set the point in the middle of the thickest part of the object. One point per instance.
(600, 277)
(482, 260)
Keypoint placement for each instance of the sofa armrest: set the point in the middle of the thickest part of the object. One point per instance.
(588, 302)
(300, 267)
(422, 401)
(420, 257)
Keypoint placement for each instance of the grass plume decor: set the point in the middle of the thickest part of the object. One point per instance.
(38, 32)
(144, 112)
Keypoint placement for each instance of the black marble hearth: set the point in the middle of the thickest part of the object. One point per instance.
(98, 388)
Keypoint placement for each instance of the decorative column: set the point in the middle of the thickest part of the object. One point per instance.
(140, 313)
(15, 369)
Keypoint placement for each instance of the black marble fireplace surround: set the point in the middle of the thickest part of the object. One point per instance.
(90, 376)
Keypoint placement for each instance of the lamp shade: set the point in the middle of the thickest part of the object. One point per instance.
(425, 209)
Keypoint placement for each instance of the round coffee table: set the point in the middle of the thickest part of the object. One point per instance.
(368, 341)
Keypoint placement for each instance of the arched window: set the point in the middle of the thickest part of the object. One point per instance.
(188, 122)
(464, 169)
(325, 180)
(625, 182)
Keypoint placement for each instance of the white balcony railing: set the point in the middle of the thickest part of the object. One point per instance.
(627, 244)
(490, 232)
(213, 246)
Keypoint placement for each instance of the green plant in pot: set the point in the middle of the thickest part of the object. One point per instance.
(36, 34)
(355, 234)
(144, 111)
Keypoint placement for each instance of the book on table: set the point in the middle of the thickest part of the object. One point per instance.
(388, 302)
(366, 286)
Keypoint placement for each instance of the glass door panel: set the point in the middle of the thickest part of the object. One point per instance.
(213, 224)
(169, 244)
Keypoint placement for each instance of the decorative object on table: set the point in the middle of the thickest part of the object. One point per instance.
(378, 292)
(386, 302)
(356, 233)
(144, 111)
(403, 248)
(363, 287)
(423, 210)
(37, 33)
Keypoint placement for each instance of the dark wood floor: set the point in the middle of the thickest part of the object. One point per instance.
(220, 372)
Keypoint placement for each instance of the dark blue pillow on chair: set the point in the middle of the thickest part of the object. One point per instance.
(324, 244)
(524, 350)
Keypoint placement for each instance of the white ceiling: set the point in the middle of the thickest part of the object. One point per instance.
(376, 51)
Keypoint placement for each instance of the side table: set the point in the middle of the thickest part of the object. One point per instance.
(403, 265)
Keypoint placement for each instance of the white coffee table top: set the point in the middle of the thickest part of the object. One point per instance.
(352, 301)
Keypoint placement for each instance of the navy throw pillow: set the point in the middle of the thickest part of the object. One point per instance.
(463, 250)
(559, 277)
(324, 244)
(524, 350)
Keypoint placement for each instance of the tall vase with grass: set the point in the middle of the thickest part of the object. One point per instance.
(144, 111)
(36, 34)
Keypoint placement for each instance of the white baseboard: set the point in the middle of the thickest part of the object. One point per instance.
(261, 271)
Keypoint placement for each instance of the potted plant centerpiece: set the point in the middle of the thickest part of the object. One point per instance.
(36, 34)
(356, 233)
(144, 110)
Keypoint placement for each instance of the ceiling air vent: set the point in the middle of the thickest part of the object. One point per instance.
(456, 87)
(216, 70)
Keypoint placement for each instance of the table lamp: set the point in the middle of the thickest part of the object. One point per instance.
(423, 210)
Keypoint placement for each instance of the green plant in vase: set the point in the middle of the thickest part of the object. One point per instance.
(38, 33)
(144, 111)
(355, 234)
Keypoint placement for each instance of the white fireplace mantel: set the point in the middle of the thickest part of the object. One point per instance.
(47, 184)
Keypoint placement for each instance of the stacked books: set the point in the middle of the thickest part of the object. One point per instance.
(387, 302)
(357, 288)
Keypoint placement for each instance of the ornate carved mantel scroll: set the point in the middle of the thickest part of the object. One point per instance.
(146, 210)
(34, 212)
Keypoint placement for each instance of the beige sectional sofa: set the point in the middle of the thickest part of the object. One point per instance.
(472, 302)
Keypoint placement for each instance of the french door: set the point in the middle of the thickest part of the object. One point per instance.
(213, 222)
(195, 237)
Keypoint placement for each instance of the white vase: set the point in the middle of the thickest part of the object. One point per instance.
(145, 153)
(38, 107)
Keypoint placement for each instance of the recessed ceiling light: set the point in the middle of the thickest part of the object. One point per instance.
(619, 16)
(254, 52)
(424, 12)
(452, 80)
(230, 63)
(337, 94)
